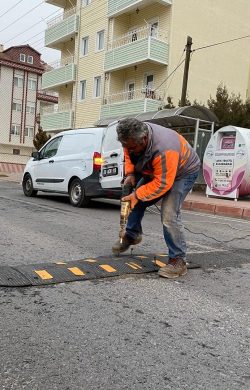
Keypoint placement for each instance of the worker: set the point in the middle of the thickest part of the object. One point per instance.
(169, 167)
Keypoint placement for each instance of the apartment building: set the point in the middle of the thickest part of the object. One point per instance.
(21, 70)
(117, 56)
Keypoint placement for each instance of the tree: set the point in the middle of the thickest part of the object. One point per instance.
(169, 103)
(41, 136)
(230, 110)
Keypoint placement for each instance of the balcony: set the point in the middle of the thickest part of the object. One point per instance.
(51, 97)
(61, 29)
(57, 118)
(131, 102)
(63, 72)
(137, 47)
(57, 3)
(118, 7)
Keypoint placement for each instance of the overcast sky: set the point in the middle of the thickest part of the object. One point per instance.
(34, 22)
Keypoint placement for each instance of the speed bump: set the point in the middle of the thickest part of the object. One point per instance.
(85, 269)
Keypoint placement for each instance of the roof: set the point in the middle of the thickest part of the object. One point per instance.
(21, 46)
(173, 117)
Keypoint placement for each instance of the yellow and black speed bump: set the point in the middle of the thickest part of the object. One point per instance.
(86, 269)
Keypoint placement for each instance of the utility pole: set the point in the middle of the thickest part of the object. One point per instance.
(186, 69)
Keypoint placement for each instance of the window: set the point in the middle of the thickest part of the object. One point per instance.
(30, 59)
(18, 81)
(29, 131)
(100, 40)
(51, 148)
(17, 107)
(15, 129)
(32, 84)
(131, 90)
(16, 151)
(82, 90)
(97, 86)
(22, 57)
(86, 2)
(85, 46)
(30, 108)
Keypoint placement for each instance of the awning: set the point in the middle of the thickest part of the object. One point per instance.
(173, 117)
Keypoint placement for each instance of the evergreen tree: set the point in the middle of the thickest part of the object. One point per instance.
(230, 110)
(41, 136)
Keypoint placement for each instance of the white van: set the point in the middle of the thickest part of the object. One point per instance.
(113, 160)
(70, 163)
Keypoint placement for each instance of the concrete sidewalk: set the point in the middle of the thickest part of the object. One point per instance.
(196, 201)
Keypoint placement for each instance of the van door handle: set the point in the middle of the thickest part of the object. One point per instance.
(114, 155)
(51, 161)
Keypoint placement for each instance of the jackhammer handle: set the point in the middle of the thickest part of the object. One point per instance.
(127, 190)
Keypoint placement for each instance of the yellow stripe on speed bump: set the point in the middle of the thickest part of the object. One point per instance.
(141, 257)
(160, 255)
(159, 263)
(44, 274)
(107, 268)
(76, 271)
(134, 265)
(60, 263)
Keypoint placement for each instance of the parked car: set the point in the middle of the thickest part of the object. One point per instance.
(70, 163)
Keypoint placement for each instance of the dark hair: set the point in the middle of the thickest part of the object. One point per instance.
(131, 128)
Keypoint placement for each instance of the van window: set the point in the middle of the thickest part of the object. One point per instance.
(51, 148)
(110, 139)
(76, 144)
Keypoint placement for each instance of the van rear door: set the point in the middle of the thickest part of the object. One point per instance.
(112, 154)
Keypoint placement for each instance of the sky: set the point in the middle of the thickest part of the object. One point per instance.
(29, 29)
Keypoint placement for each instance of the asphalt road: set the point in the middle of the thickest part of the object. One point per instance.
(129, 332)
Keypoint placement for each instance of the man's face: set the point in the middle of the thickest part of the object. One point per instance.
(136, 148)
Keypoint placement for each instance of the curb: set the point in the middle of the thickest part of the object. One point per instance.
(214, 209)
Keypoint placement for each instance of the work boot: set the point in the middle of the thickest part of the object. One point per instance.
(174, 268)
(127, 241)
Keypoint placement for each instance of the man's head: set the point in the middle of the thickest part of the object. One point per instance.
(133, 135)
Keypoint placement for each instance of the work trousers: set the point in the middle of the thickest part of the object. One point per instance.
(173, 229)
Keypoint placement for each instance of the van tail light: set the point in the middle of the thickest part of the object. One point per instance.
(97, 161)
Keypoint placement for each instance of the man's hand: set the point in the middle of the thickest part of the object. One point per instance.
(130, 180)
(132, 198)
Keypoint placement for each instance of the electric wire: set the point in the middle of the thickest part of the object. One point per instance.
(175, 69)
(27, 29)
(16, 20)
(221, 43)
(11, 8)
(170, 82)
(150, 210)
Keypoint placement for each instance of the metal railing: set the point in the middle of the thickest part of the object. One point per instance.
(136, 35)
(57, 19)
(140, 94)
(62, 62)
(55, 108)
(47, 93)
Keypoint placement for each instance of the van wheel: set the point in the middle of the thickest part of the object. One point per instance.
(28, 186)
(77, 195)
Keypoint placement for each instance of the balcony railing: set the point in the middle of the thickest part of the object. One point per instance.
(61, 29)
(117, 7)
(141, 45)
(62, 62)
(56, 108)
(63, 72)
(137, 35)
(57, 117)
(131, 102)
(57, 19)
(140, 94)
